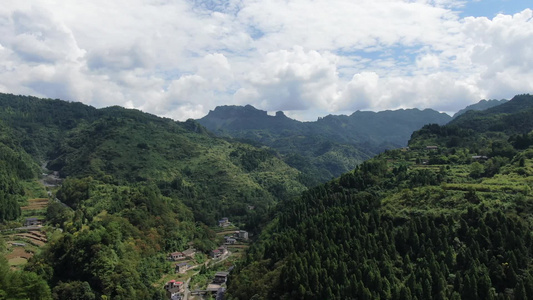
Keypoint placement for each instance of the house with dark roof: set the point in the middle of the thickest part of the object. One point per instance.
(220, 277)
(182, 267)
(32, 222)
(228, 240)
(224, 222)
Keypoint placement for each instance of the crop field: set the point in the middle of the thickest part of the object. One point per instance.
(36, 204)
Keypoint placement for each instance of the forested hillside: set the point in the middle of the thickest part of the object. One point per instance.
(448, 218)
(328, 147)
(121, 146)
(15, 167)
(135, 187)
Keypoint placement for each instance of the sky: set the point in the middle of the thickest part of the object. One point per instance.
(308, 58)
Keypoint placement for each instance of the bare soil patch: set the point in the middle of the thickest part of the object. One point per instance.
(17, 252)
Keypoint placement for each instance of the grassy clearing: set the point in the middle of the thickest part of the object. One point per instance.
(34, 189)
(19, 261)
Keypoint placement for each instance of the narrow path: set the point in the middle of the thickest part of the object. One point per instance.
(186, 291)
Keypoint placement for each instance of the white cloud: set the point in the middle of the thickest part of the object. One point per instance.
(291, 80)
(499, 52)
(39, 38)
(427, 62)
(181, 58)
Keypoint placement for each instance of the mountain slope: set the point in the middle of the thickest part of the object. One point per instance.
(443, 222)
(325, 148)
(121, 145)
(503, 123)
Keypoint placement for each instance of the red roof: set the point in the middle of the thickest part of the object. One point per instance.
(179, 282)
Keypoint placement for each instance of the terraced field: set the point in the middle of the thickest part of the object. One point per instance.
(23, 242)
(36, 204)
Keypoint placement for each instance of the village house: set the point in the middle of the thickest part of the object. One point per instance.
(174, 289)
(223, 249)
(174, 256)
(220, 277)
(32, 222)
(219, 252)
(182, 267)
(224, 222)
(243, 235)
(228, 240)
(432, 147)
(189, 253)
(216, 253)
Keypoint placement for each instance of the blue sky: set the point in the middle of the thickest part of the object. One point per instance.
(490, 8)
(182, 58)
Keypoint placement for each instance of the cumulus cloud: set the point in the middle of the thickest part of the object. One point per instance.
(182, 58)
(36, 37)
(291, 80)
(499, 48)
(369, 91)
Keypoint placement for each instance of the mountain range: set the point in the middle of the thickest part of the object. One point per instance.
(328, 147)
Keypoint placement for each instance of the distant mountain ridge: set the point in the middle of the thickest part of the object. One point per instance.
(232, 117)
(327, 147)
(481, 105)
(514, 116)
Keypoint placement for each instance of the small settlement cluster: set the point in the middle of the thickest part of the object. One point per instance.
(175, 289)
